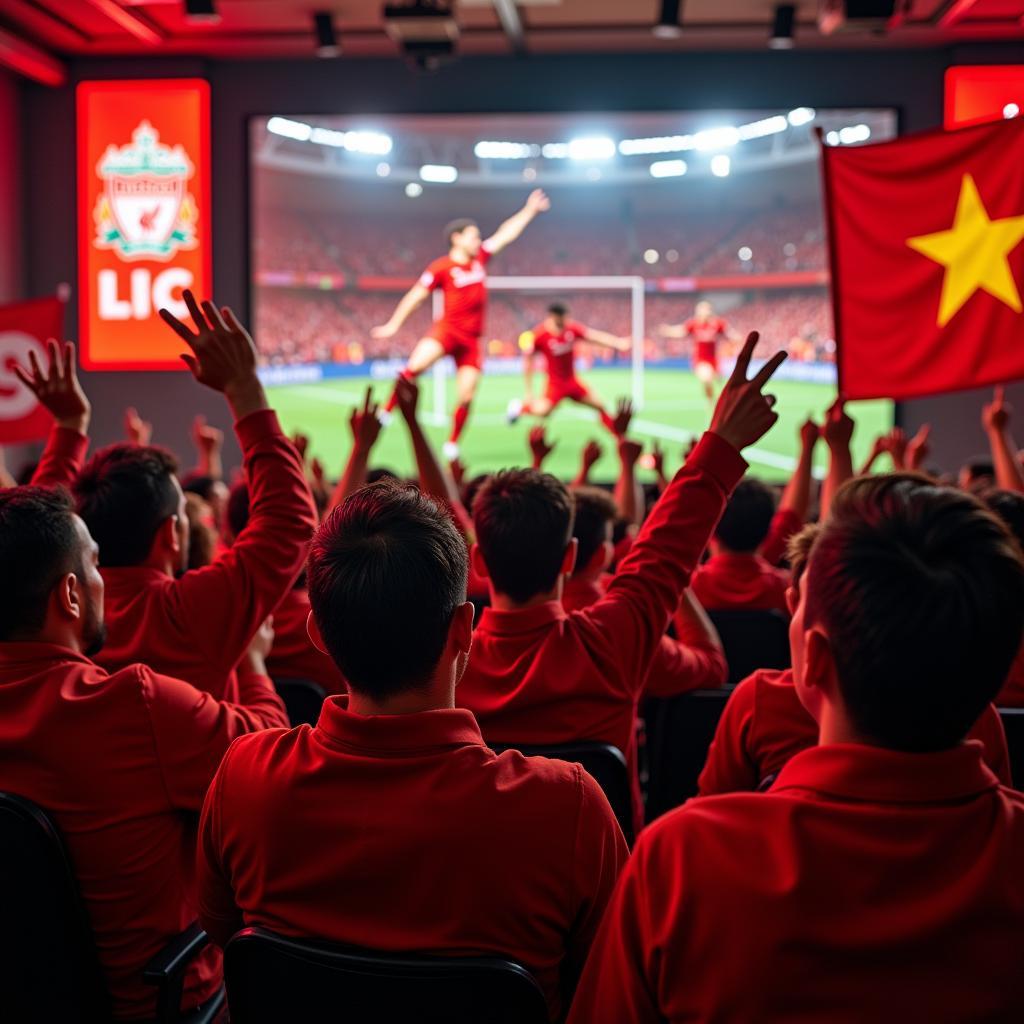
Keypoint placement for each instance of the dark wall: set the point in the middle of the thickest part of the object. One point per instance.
(911, 81)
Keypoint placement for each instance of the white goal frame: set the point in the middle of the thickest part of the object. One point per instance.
(633, 284)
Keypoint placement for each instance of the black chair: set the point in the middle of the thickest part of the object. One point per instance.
(752, 640)
(1013, 723)
(302, 699)
(603, 761)
(679, 733)
(49, 970)
(271, 979)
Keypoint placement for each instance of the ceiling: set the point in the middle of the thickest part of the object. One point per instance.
(36, 36)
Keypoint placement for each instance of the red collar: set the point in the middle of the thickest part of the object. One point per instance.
(397, 734)
(853, 771)
(520, 620)
(31, 653)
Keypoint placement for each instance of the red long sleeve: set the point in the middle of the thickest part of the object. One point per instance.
(62, 459)
(728, 768)
(785, 523)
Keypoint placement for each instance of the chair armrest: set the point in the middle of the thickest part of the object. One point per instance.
(167, 969)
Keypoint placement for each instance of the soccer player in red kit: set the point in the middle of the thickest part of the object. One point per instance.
(706, 330)
(462, 278)
(555, 339)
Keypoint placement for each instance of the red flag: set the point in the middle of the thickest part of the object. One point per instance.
(25, 327)
(927, 261)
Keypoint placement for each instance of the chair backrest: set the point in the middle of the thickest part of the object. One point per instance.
(679, 732)
(1013, 723)
(271, 978)
(302, 699)
(603, 761)
(752, 640)
(49, 970)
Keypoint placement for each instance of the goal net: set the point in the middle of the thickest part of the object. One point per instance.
(580, 294)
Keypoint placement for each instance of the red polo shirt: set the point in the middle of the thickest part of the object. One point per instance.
(122, 762)
(61, 459)
(764, 725)
(407, 833)
(541, 675)
(868, 885)
(686, 662)
(738, 581)
(197, 627)
(1012, 693)
(293, 655)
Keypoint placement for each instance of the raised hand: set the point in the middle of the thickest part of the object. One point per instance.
(837, 430)
(630, 451)
(57, 386)
(207, 439)
(301, 442)
(408, 394)
(539, 447)
(365, 424)
(995, 415)
(223, 354)
(591, 454)
(658, 459)
(317, 472)
(809, 434)
(537, 201)
(623, 417)
(458, 471)
(743, 414)
(896, 446)
(136, 429)
(918, 448)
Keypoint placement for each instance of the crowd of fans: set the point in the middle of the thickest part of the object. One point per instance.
(852, 854)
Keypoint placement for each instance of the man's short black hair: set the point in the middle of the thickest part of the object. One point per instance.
(558, 309)
(472, 489)
(747, 517)
(595, 514)
(1009, 506)
(523, 521)
(456, 227)
(199, 483)
(124, 494)
(920, 589)
(38, 545)
(386, 571)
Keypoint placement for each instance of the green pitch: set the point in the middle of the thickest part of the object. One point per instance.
(674, 410)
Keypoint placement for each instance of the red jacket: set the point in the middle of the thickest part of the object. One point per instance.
(764, 725)
(62, 458)
(293, 655)
(737, 581)
(197, 627)
(541, 675)
(868, 885)
(406, 833)
(122, 762)
(679, 665)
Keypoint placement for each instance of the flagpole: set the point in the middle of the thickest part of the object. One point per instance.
(833, 256)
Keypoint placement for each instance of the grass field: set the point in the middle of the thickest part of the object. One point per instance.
(674, 410)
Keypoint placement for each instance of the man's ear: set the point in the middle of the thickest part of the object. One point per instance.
(313, 632)
(460, 632)
(569, 560)
(819, 684)
(792, 599)
(476, 560)
(166, 537)
(67, 595)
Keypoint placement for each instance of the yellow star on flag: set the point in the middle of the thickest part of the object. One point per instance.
(974, 252)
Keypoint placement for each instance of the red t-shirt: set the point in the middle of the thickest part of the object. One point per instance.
(732, 580)
(705, 334)
(558, 350)
(764, 725)
(121, 763)
(406, 833)
(866, 885)
(464, 286)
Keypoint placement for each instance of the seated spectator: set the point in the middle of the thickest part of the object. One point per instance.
(691, 660)
(118, 760)
(542, 675)
(1009, 506)
(875, 880)
(391, 825)
(736, 576)
(764, 724)
(197, 627)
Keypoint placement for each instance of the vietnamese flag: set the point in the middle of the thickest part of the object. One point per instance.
(25, 327)
(927, 263)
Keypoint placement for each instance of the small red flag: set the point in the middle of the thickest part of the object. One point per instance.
(25, 327)
(927, 262)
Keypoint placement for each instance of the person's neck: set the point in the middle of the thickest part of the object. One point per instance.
(504, 603)
(458, 255)
(163, 564)
(835, 727)
(408, 702)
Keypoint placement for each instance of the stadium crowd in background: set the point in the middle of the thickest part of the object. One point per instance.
(850, 856)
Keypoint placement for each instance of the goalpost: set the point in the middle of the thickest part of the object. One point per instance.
(632, 285)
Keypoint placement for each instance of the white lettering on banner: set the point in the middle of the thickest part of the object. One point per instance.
(147, 293)
(16, 401)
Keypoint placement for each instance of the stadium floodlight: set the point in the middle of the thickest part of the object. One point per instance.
(759, 129)
(597, 147)
(657, 144)
(289, 129)
(854, 133)
(383, 169)
(413, 189)
(487, 150)
(721, 165)
(328, 137)
(444, 174)
(372, 143)
(782, 27)
(668, 168)
(802, 115)
(1011, 110)
(716, 138)
(745, 254)
(832, 139)
(555, 150)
